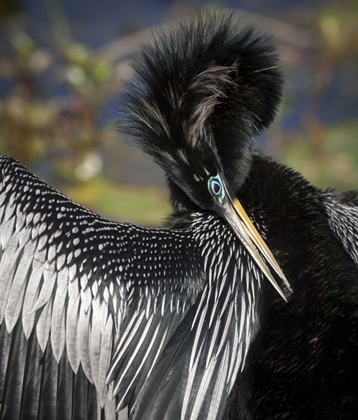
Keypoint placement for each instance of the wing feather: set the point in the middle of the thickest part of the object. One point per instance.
(105, 359)
(58, 317)
(31, 295)
(160, 319)
(72, 333)
(7, 269)
(43, 325)
(17, 292)
(198, 367)
(47, 288)
(84, 340)
(342, 213)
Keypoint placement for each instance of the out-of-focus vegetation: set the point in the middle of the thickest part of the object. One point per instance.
(143, 205)
(58, 131)
(33, 125)
(62, 135)
(326, 153)
(327, 156)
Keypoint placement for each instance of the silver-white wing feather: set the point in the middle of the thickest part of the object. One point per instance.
(103, 292)
(195, 373)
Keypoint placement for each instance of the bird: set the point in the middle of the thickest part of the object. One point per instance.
(243, 306)
(97, 316)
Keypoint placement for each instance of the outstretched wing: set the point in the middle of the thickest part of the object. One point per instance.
(198, 367)
(81, 296)
(342, 212)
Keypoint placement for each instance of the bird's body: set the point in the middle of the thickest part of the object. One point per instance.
(166, 320)
(303, 365)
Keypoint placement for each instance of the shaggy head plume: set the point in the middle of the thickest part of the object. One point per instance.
(210, 83)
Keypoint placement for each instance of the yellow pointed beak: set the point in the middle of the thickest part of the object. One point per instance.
(235, 215)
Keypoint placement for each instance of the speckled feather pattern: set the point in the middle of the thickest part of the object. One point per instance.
(111, 295)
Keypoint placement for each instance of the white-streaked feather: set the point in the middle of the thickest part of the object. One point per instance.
(224, 337)
(32, 292)
(46, 289)
(137, 348)
(148, 350)
(58, 314)
(105, 359)
(43, 325)
(43, 240)
(221, 383)
(62, 343)
(213, 341)
(17, 292)
(84, 342)
(9, 212)
(235, 355)
(197, 343)
(189, 386)
(72, 333)
(86, 299)
(200, 395)
(95, 348)
(7, 231)
(126, 337)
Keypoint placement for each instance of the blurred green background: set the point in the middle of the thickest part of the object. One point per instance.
(62, 69)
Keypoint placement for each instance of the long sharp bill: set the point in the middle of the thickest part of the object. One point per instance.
(253, 242)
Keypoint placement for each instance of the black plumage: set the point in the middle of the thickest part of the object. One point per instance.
(98, 316)
(303, 364)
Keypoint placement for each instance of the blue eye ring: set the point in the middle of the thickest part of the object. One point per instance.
(215, 186)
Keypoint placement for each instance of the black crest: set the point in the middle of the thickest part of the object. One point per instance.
(213, 80)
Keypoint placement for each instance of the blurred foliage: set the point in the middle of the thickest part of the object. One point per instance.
(65, 132)
(62, 134)
(142, 205)
(8, 9)
(331, 162)
(67, 128)
(338, 28)
(326, 154)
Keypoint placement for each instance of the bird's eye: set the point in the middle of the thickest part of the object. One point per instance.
(215, 186)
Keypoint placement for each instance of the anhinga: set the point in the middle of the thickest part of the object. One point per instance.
(97, 316)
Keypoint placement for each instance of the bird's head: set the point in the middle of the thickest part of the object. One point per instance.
(200, 95)
(198, 173)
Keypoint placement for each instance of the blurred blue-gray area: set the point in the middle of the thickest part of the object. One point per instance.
(63, 62)
(95, 23)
